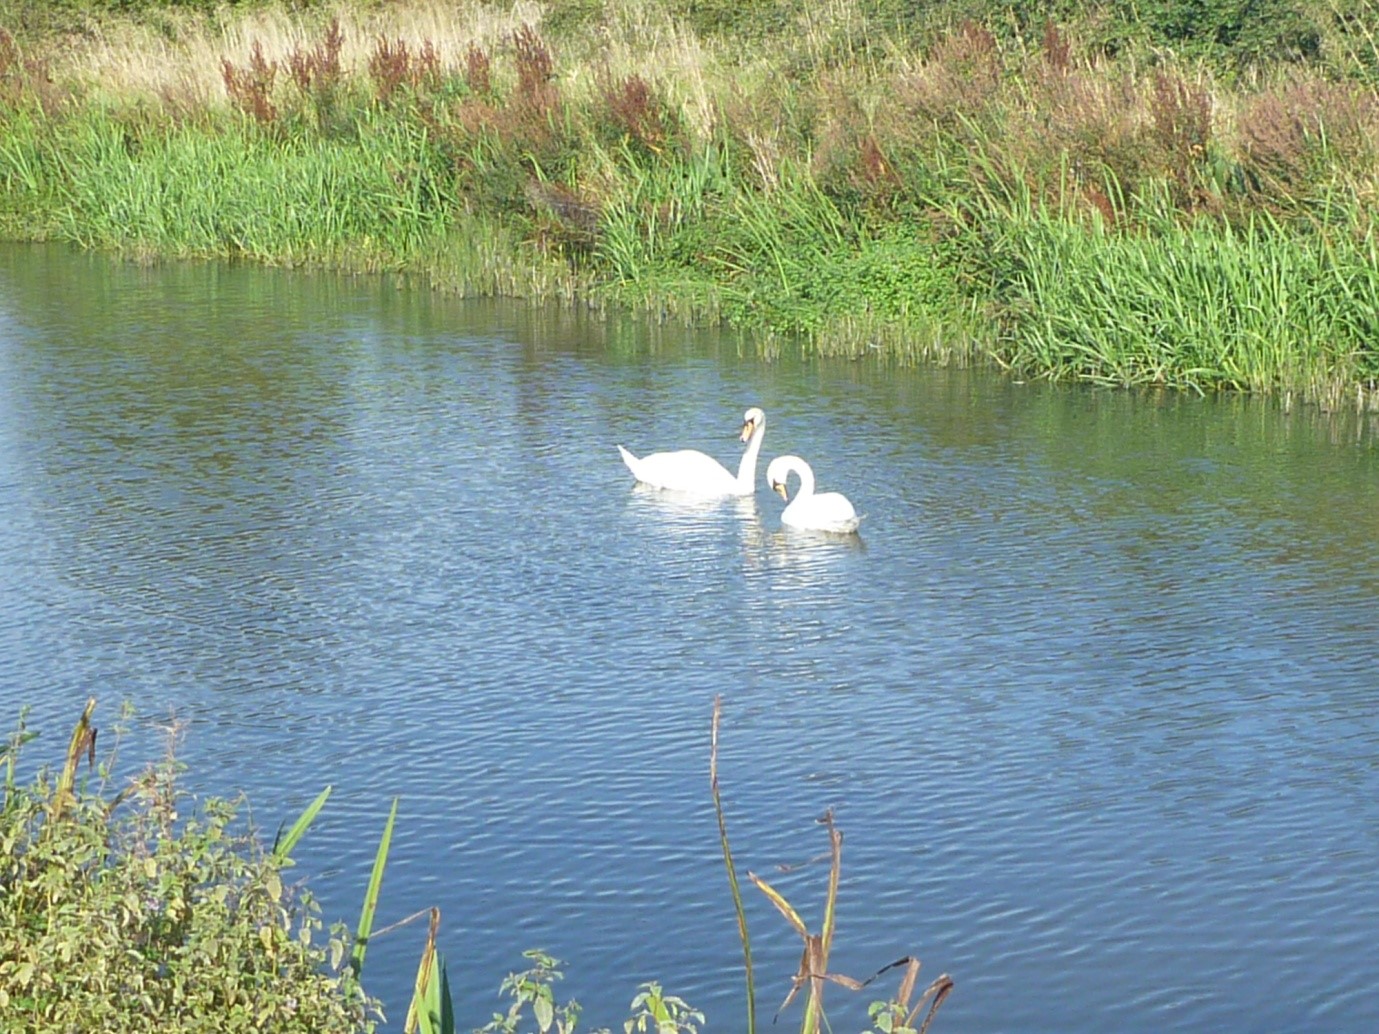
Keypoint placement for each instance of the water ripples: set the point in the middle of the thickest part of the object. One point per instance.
(1092, 693)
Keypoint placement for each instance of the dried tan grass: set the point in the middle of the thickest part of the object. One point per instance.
(179, 61)
(961, 75)
(135, 60)
(641, 38)
(1308, 122)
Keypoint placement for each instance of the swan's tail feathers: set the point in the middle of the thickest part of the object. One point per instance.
(629, 459)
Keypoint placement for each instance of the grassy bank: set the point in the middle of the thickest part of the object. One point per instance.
(1182, 198)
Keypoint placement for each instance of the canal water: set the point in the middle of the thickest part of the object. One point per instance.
(1093, 695)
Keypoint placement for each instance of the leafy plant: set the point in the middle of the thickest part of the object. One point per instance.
(660, 1013)
(134, 912)
(896, 1016)
(533, 988)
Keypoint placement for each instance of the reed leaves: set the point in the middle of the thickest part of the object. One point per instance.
(1188, 307)
(286, 841)
(432, 1010)
(83, 742)
(370, 906)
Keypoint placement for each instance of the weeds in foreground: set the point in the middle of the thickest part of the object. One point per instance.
(531, 991)
(813, 971)
(121, 912)
(131, 912)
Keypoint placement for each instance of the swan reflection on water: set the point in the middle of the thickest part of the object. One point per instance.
(692, 514)
(788, 558)
(794, 546)
(793, 559)
(686, 512)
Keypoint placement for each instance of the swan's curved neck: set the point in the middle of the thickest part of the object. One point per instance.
(806, 474)
(747, 469)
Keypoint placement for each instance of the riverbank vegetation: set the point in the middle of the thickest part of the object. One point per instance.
(1163, 193)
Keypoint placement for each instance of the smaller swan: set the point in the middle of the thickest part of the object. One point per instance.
(694, 473)
(827, 511)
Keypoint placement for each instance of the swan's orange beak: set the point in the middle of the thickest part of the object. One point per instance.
(779, 486)
(747, 429)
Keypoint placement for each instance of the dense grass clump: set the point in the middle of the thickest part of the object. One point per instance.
(166, 188)
(1189, 306)
(863, 177)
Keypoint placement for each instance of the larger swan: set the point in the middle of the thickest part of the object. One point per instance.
(692, 472)
(826, 511)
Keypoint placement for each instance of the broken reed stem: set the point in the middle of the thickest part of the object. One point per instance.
(732, 870)
(938, 991)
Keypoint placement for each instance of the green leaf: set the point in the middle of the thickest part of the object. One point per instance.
(366, 914)
(283, 844)
(545, 1013)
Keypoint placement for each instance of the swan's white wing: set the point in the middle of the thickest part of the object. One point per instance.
(693, 473)
(826, 511)
(684, 470)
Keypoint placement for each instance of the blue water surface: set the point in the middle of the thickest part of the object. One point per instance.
(1092, 695)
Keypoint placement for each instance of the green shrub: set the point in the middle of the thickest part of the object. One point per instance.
(142, 911)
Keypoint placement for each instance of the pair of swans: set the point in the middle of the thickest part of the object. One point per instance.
(694, 473)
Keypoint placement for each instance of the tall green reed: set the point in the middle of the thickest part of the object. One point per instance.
(733, 884)
(656, 226)
(1200, 307)
(231, 189)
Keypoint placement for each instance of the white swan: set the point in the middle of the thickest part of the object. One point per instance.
(827, 511)
(692, 472)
